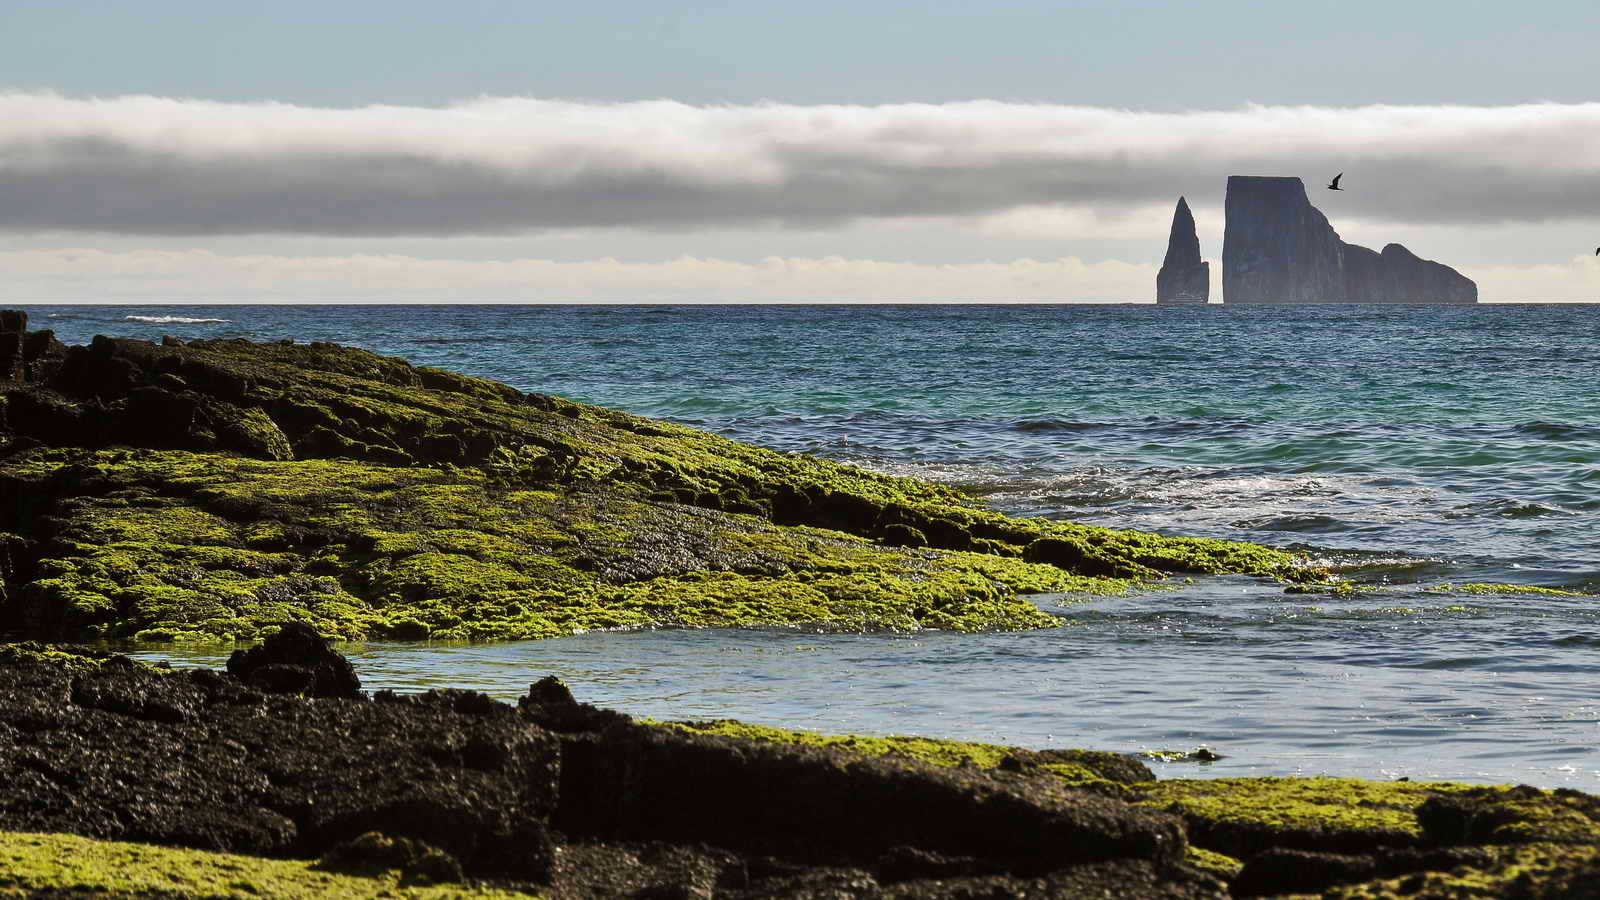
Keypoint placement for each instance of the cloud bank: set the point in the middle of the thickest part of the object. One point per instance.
(165, 276)
(90, 275)
(145, 165)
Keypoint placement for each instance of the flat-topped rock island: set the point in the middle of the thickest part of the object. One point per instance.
(1278, 248)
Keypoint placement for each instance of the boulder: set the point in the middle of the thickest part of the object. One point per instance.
(296, 660)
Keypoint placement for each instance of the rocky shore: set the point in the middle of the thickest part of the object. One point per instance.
(281, 777)
(205, 491)
(275, 495)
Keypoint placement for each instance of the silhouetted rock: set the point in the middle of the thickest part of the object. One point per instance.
(550, 705)
(1410, 279)
(13, 324)
(1278, 248)
(1184, 277)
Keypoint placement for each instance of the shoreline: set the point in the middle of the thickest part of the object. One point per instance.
(197, 492)
(285, 758)
(223, 493)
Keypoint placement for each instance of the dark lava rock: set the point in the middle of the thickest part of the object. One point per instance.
(550, 705)
(198, 759)
(1278, 248)
(451, 783)
(417, 861)
(1286, 871)
(1184, 277)
(296, 660)
(829, 807)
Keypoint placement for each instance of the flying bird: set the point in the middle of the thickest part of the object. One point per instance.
(1334, 184)
(1597, 251)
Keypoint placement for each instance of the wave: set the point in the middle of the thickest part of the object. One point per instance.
(1506, 508)
(177, 320)
(1559, 431)
(1033, 425)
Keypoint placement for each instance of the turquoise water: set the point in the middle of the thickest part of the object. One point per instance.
(1407, 446)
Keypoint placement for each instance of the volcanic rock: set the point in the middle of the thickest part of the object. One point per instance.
(1184, 277)
(296, 660)
(1278, 248)
(210, 490)
(198, 759)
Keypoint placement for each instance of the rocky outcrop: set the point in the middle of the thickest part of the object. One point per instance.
(201, 759)
(1278, 248)
(1399, 276)
(21, 350)
(203, 491)
(559, 799)
(1184, 277)
(296, 660)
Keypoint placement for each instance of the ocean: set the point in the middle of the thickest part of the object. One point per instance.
(1413, 449)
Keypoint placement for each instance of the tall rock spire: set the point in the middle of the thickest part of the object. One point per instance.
(1184, 277)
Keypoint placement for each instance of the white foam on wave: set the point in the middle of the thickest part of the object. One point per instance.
(176, 320)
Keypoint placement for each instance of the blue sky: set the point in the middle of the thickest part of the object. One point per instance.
(495, 150)
(1176, 54)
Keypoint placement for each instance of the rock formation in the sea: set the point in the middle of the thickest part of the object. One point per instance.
(1184, 277)
(1278, 248)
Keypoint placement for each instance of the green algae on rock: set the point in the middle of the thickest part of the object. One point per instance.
(1512, 589)
(205, 491)
(1103, 771)
(62, 865)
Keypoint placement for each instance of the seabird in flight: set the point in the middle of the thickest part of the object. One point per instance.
(1334, 184)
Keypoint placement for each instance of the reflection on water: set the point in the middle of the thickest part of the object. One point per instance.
(1487, 689)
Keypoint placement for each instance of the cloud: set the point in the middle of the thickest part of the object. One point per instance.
(160, 276)
(146, 165)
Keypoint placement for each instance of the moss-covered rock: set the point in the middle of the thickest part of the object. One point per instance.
(202, 492)
(1106, 772)
(60, 865)
(1329, 837)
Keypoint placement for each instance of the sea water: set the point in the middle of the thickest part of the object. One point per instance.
(1408, 447)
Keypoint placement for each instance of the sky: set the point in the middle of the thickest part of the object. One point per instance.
(477, 151)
